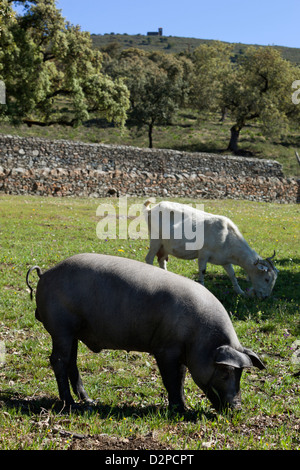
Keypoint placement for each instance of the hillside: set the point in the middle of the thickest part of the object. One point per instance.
(175, 44)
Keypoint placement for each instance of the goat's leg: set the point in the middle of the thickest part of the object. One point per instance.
(162, 257)
(230, 271)
(163, 263)
(202, 262)
(155, 246)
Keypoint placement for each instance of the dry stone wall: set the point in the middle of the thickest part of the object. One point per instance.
(63, 168)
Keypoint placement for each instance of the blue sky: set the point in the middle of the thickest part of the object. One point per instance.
(264, 22)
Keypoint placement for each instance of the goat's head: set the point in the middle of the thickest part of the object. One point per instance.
(263, 277)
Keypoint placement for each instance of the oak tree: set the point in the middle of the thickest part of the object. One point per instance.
(158, 84)
(51, 71)
(259, 87)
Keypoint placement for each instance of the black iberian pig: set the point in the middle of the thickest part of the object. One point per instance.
(110, 302)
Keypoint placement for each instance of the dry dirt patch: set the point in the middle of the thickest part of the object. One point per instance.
(106, 442)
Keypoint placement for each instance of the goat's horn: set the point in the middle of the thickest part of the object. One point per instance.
(271, 257)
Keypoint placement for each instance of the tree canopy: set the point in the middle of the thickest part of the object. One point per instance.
(256, 85)
(212, 67)
(158, 85)
(51, 71)
(259, 88)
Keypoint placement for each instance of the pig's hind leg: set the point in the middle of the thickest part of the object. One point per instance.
(59, 359)
(63, 361)
(74, 375)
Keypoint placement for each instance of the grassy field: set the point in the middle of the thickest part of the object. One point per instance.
(131, 407)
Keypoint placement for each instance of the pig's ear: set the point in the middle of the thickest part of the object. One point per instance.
(226, 355)
(254, 358)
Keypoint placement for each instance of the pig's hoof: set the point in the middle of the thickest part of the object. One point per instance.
(74, 406)
(89, 403)
(176, 409)
(69, 407)
(89, 400)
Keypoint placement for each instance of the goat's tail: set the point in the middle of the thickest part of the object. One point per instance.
(146, 210)
(38, 269)
(147, 203)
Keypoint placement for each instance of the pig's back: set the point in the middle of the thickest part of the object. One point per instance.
(121, 303)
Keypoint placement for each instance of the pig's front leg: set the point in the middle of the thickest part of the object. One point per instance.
(173, 374)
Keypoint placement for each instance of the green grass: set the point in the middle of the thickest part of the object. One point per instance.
(131, 400)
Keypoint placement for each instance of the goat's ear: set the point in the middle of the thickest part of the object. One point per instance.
(261, 267)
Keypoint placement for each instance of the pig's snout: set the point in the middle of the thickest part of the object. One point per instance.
(228, 402)
(224, 388)
(234, 403)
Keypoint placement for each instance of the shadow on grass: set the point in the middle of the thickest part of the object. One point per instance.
(286, 290)
(36, 405)
(288, 280)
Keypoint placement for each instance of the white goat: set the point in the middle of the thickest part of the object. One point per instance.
(221, 244)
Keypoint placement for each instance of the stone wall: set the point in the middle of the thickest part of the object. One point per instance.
(63, 168)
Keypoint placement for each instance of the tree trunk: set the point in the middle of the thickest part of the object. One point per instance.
(235, 133)
(223, 114)
(150, 129)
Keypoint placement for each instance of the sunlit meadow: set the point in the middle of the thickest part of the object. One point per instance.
(131, 400)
